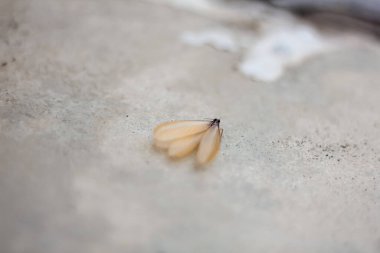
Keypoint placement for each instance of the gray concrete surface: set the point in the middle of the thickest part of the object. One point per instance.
(82, 84)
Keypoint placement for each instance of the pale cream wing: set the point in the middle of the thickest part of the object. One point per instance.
(168, 132)
(184, 146)
(209, 145)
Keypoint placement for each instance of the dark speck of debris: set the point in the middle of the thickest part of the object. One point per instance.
(4, 64)
(344, 146)
(13, 24)
(127, 115)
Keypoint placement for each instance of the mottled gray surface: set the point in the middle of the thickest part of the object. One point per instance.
(82, 84)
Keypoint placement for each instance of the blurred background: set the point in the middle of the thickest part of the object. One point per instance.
(365, 10)
(296, 84)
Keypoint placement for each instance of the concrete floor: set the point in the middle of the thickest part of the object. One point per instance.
(83, 83)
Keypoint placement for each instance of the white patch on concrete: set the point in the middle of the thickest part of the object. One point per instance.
(280, 40)
(267, 59)
(220, 39)
(266, 56)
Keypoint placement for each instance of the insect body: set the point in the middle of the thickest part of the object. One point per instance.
(182, 137)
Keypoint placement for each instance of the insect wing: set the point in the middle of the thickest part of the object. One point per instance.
(184, 146)
(209, 145)
(168, 132)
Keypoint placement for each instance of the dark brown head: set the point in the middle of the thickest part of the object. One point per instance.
(215, 122)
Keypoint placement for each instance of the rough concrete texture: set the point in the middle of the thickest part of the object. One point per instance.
(82, 84)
